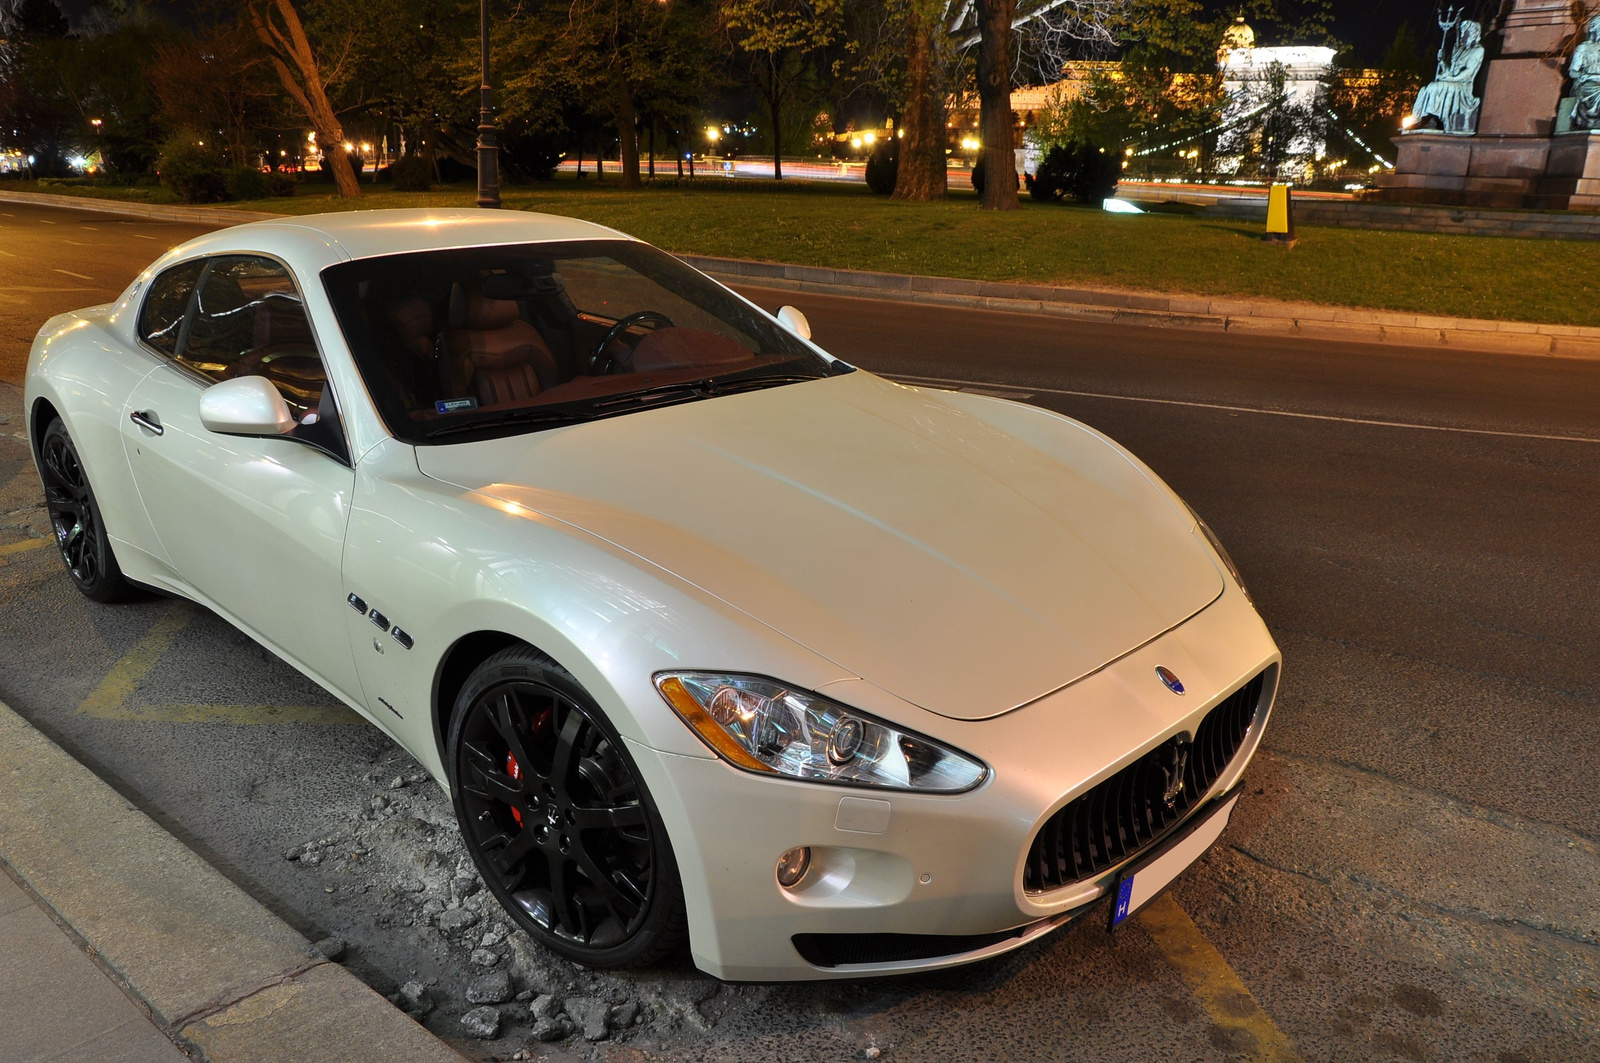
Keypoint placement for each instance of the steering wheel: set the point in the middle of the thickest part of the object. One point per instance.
(600, 362)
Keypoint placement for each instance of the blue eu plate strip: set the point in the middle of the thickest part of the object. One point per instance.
(1124, 895)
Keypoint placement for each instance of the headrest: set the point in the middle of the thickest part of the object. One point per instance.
(503, 286)
(220, 294)
(412, 316)
(469, 309)
(484, 314)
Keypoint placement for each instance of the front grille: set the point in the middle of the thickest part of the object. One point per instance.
(838, 950)
(1128, 811)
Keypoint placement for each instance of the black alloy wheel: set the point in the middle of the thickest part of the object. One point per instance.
(75, 518)
(556, 818)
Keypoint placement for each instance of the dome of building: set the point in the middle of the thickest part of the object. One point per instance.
(1238, 35)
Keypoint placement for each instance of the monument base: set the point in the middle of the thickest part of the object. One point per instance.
(1557, 172)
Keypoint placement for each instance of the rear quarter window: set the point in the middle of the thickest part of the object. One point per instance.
(167, 304)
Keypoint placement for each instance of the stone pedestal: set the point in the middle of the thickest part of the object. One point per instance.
(1516, 158)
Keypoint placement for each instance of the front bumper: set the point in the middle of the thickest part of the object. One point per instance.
(914, 864)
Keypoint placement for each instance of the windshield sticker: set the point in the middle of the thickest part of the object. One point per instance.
(455, 405)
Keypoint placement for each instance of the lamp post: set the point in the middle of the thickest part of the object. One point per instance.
(488, 148)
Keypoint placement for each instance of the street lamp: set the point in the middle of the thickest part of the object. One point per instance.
(488, 148)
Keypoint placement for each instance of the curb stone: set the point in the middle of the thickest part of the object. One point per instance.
(1119, 306)
(232, 979)
(1227, 314)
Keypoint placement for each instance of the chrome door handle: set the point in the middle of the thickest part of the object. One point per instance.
(148, 420)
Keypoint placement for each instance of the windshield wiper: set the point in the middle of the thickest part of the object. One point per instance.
(705, 387)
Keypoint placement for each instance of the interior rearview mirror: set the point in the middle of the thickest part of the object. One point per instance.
(245, 406)
(794, 321)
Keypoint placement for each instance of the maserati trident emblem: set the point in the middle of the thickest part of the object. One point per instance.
(1175, 767)
(1173, 683)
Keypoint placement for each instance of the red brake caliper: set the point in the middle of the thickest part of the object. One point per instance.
(514, 770)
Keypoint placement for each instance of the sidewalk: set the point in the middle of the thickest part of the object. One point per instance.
(58, 1005)
(201, 964)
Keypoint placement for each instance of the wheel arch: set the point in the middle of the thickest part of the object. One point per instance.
(39, 418)
(458, 662)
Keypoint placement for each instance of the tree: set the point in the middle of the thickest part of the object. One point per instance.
(940, 39)
(779, 39)
(412, 63)
(216, 79)
(922, 174)
(279, 28)
(996, 126)
(36, 104)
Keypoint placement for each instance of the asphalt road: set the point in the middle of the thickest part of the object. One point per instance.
(1414, 874)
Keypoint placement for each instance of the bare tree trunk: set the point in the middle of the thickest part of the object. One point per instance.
(285, 39)
(580, 154)
(922, 174)
(995, 124)
(600, 154)
(775, 100)
(652, 146)
(628, 132)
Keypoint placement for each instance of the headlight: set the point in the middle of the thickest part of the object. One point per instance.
(1222, 552)
(763, 726)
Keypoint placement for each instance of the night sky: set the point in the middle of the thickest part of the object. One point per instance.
(1367, 25)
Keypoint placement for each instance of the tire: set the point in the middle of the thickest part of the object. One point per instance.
(75, 519)
(532, 759)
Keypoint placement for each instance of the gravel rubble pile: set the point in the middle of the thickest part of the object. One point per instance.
(398, 864)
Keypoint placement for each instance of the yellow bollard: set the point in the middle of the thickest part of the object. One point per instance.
(1280, 216)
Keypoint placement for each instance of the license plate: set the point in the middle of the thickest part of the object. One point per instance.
(1140, 885)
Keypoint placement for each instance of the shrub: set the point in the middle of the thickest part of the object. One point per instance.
(192, 170)
(281, 185)
(1080, 171)
(533, 156)
(247, 183)
(412, 174)
(883, 168)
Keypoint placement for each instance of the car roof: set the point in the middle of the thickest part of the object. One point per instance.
(366, 233)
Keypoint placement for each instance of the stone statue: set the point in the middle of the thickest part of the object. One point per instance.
(1448, 98)
(1585, 73)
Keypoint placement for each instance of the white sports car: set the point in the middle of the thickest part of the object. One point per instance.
(710, 636)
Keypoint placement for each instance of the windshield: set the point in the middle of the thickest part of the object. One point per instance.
(481, 341)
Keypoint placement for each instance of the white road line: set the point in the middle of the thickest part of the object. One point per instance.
(967, 385)
(69, 273)
(142, 236)
(91, 228)
(6, 253)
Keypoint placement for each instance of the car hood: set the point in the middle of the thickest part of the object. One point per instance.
(967, 555)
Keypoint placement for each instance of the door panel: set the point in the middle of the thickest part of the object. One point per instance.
(254, 525)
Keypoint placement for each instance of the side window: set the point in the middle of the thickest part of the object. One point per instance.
(161, 320)
(249, 321)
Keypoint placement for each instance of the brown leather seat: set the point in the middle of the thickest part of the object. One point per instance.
(492, 353)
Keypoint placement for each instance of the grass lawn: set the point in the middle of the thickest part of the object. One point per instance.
(845, 226)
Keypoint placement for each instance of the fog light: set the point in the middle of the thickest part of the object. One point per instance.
(792, 866)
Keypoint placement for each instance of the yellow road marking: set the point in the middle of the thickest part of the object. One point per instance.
(240, 714)
(106, 701)
(24, 546)
(109, 701)
(1216, 986)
